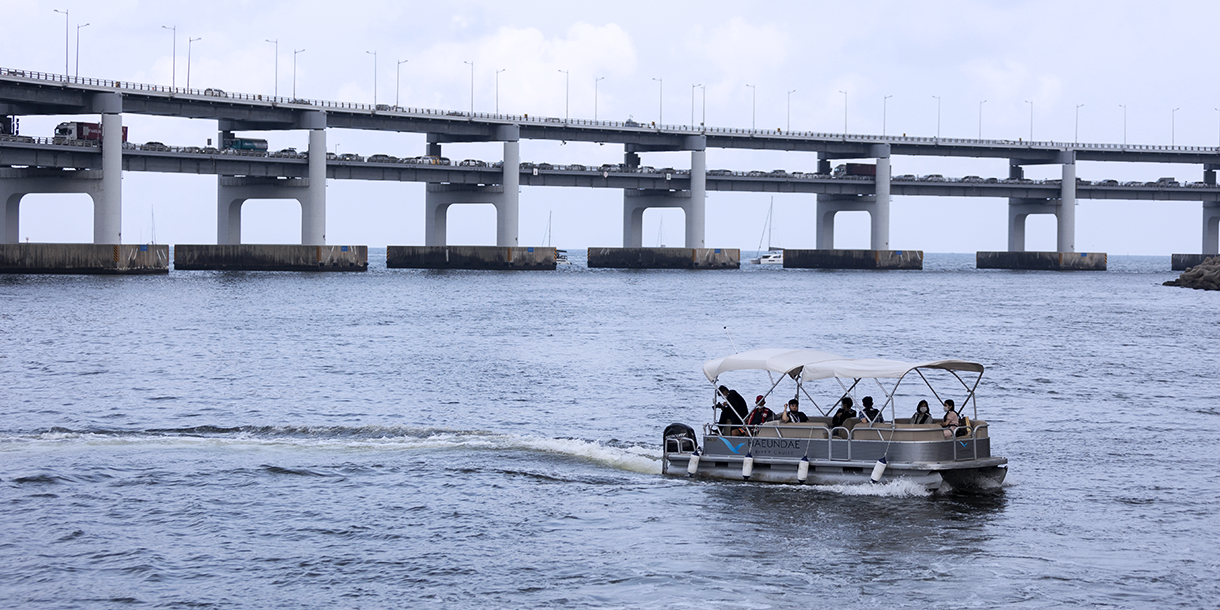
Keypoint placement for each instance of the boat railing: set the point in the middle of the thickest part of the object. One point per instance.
(965, 446)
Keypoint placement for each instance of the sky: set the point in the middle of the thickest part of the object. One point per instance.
(1002, 67)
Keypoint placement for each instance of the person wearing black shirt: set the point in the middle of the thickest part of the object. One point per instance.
(844, 413)
(873, 415)
(792, 413)
(733, 413)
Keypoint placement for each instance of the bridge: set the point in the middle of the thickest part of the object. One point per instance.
(40, 165)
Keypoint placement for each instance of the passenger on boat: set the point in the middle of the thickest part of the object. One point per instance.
(761, 414)
(733, 413)
(792, 413)
(872, 414)
(951, 421)
(844, 413)
(922, 414)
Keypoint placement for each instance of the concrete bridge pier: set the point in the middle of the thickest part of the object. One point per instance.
(1211, 228)
(692, 201)
(504, 196)
(16, 183)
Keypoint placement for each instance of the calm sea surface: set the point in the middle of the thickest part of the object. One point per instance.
(491, 439)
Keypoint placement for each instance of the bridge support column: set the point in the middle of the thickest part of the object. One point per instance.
(1066, 234)
(693, 201)
(1211, 228)
(504, 196)
(108, 208)
(16, 183)
(232, 192)
(880, 212)
(829, 205)
(313, 204)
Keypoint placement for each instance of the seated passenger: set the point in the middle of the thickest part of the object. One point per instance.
(761, 414)
(922, 414)
(872, 414)
(792, 413)
(951, 421)
(844, 413)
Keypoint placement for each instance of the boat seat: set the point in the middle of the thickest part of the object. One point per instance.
(795, 430)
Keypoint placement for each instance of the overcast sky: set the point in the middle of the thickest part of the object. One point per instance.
(1151, 57)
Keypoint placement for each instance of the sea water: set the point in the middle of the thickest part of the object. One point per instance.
(491, 439)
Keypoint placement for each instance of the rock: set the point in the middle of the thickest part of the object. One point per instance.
(1204, 276)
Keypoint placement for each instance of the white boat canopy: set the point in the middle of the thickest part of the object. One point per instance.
(812, 364)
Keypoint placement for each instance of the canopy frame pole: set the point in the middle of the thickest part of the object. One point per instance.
(800, 386)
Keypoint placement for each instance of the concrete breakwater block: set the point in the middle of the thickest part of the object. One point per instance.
(665, 258)
(1042, 261)
(270, 257)
(114, 259)
(528, 258)
(853, 259)
(1204, 275)
(1182, 262)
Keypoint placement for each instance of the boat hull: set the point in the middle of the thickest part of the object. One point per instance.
(987, 473)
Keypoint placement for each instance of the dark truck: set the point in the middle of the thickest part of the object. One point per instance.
(855, 169)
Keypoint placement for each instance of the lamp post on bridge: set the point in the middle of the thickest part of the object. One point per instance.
(692, 104)
(295, 52)
(189, 41)
(276, 88)
(660, 101)
(937, 116)
(844, 113)
(595, 81)
(78, 27)
(790, 109)
(1031, 120)
(753, 105)
(1173, 126)
(981, 118)
(1076, 137)
(567, 82)
(1124, 107)
(471, 85)
(1218, 132)
(65, 14)
(498, 88)
(374, 54)
(884, 102)
(173, 62)
(398, 80)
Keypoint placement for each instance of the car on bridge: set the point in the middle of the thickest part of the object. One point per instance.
(154, 146)
(379, 158)
(350, 157)
(911, 177)
(473, 163)
(1106, 183)
(215, 92)
(933, 178)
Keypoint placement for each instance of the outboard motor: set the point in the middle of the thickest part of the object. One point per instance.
(680, 438)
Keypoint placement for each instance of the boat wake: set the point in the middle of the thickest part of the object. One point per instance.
(641, 458)
(896, 488)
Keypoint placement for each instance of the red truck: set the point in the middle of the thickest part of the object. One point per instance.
(76, 130)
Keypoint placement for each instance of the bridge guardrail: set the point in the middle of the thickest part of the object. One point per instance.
(211, 93)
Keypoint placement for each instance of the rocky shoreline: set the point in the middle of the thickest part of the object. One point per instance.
(1204, 276)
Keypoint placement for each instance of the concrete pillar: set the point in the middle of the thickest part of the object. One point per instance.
(1015, 171)
(1211, 228)
(313, 205)
(880, 212)
(825, 226)
(1017, 213)
(508, 206)
(633, 223)
(696, 209)
(108, 207)
(10, 217)
(228, 216)
(435, 211)
(1066, 239)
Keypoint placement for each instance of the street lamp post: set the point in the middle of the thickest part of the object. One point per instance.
(1076, 137)
(692, 104)
(78, 27)
(189, 41)
(937, 116)
(471, 85)
(498, 88)
(981, 118)
(703, 117)
(1218, 130)
(295, 52)
(398, 80)
(276, 42)
(884, 102)
(660, 101)
(1173, 128)
(65, 14)
(374, 54)
(567, 82)
(595, 81)
(790, 109)
(753, 105)
(173, 70)
(844, 113)
(1031, 120)
(1124, 107)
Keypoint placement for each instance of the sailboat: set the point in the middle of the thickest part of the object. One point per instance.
(561, 256)
(773, 256)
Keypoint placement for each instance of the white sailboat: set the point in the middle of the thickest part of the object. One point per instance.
(561, 256)
(773, 256)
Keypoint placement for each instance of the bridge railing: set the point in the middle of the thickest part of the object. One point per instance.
(212, 93)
